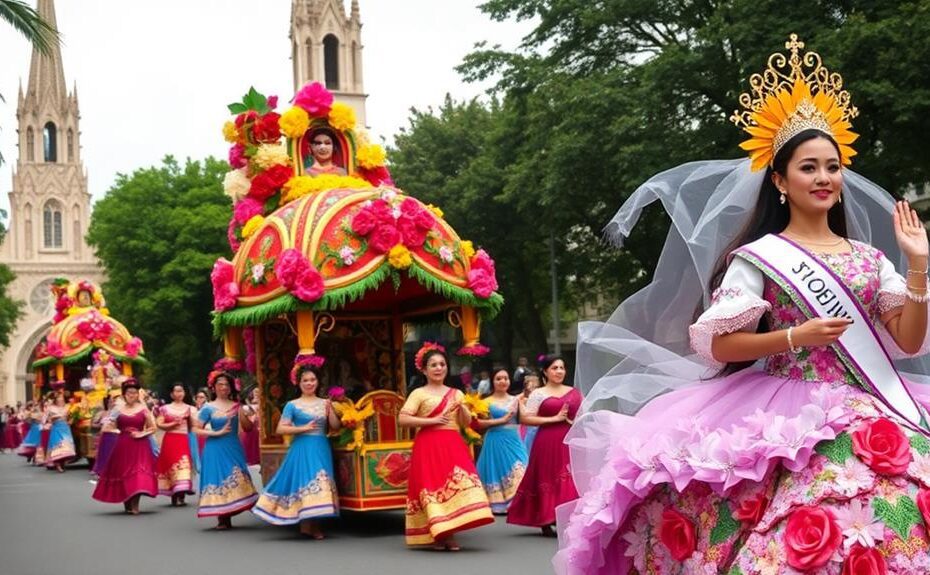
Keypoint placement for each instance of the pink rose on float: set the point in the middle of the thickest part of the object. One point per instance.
(246, 209)
(133, 347)
(231, 235)
(882, 446)
(225, 289)
(290, 267)
(482, 284)
(55, 349)
(482, 261)
(383, 238)
(364, 221)
(411, 235)
(310, 286)
(811, 538)
(864, 561)
(272, 102)
(677, 534)
(237, 157)
(314, 99)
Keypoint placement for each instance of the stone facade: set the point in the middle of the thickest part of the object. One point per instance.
(49, 210)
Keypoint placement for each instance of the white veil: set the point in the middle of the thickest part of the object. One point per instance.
(642, 350)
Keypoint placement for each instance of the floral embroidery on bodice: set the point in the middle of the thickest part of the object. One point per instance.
(858, 269)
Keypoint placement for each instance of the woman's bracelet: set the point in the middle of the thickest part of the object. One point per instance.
(917, 272)
(791, 347)
(918, 297)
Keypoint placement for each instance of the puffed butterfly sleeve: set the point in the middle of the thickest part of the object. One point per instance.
(412, 405)
(737, 305)
(892, 294)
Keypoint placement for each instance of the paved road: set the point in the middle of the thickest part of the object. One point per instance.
(49, 525)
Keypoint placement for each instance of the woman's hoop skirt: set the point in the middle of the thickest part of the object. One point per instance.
(444, 492)
(502, 462)
(130, 469)
(60, 444)
(30, 443)
(303, 487)
(225, 485)
(548, 479)
(173, 467)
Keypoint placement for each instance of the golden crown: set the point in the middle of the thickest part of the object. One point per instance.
(794, 93)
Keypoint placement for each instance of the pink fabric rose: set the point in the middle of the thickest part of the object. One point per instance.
(237, 157)
(310, 285)
(411, 235)
(314, 99)
(55, 349)
(272, 102)
(882, 446)
(383, 238)
(231, 235)
(811, 538)
(481, 283)
(133, 347)
(289, 267)
(246, 209)
(225, 289)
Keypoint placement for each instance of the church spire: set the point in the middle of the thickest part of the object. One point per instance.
(46, 73)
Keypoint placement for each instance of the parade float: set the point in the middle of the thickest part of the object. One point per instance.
(334, 265)
(84, 353)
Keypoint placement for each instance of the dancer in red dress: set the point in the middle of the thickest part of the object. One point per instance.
(130, 470)
(548, 480)
(444, 493)
(174, 467)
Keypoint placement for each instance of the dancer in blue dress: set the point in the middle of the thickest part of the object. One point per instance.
(31, 442)
(225, 486)
(304, 487)
(503, 457)
(60, 441)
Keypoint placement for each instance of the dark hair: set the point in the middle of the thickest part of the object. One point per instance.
(545, 362)
(230, 380)
(130, 383)
(493, 375)
(770, 216)
(433, 352)
(449, 380)
(204, 391)
(311, 369)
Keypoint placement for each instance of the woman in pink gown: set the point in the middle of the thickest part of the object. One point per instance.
(130, 470)
(548, 480)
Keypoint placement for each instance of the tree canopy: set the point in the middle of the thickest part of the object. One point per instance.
(603, 94)
(158, 232)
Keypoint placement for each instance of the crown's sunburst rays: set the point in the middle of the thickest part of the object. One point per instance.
(793, 94)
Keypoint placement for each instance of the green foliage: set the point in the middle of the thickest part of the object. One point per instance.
(603, 94)
(726, 525)
(10, 310)
(837, 450)
(253, 100)
(158, 233)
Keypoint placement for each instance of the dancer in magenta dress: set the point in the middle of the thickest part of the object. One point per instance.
(791, 443)
(130, 470)
(548, 480)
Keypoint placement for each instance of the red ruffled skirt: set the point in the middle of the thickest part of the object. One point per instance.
(129, 471)
(173, 467)
(444, 493)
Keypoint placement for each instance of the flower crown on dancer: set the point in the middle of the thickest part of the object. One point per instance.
(424, 349)
(305, 360)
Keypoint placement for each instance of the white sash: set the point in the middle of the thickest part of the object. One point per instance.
(819, 293)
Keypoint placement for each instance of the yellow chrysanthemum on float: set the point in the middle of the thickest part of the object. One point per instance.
(300, 186)
(294, 122)
(436, 211)
(252, 226)
(268, 155)
(399, 257)
(794, 94)
(468, 248)
(342, 117)
(370, 156)
(230, 132)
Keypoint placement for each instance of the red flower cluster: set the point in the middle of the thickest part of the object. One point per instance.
(61, 308)
(812, 536)
(482, 278)
(751, 510)
(864, 561)
(95, 327)
(266, 129)
(377, 221)
(299, 276)
(882, 446)
(267, 183)
(379, 176)
(225, 288)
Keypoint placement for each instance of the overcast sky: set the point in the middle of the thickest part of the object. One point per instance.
(154, 78)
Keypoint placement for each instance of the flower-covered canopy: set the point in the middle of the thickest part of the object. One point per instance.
(82, 325)
(311, 232)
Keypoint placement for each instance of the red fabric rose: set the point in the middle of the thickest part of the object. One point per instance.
(266, 129)
(864, 561)
(882, 446)
(376, 176)
(309, 286)
(923, 503)
(750, 510)
(482, 284)
(267, 183)
(364, 221)
(383, 238)
(811, 538)
(246, 117)
(677, 534)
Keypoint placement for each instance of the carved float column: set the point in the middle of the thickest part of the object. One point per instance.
(471, 326)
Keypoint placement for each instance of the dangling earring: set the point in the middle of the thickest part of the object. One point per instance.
(841, 198)
(783, 197)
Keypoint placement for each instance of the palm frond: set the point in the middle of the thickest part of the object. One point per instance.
(27, 21)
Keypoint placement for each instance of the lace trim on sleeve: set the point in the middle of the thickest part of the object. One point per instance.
(535, 400)
(889, 299)
(702, 333)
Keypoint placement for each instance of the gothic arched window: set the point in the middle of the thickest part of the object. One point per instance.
(30, 145)
(51, 225)
(50, 139)
(70, 145)
(331, 61)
